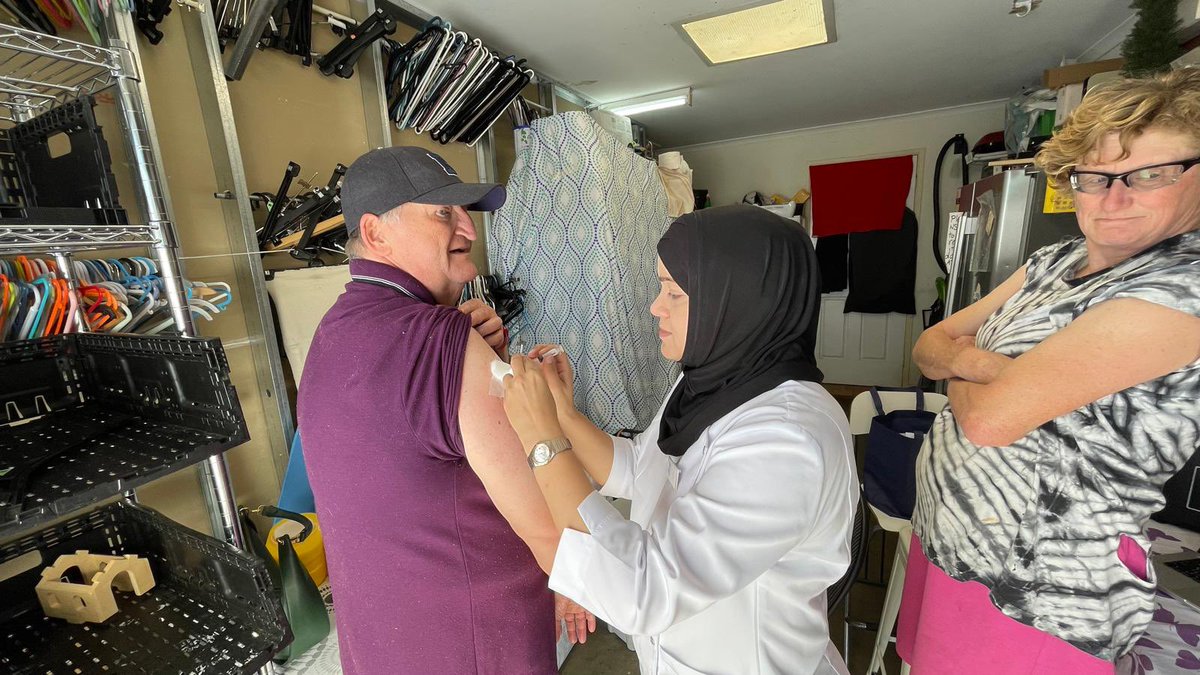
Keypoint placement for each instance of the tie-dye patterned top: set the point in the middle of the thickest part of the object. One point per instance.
(1039, 522)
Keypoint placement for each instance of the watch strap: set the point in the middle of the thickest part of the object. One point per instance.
(555, 445)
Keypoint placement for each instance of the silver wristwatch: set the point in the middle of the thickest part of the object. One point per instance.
(547, 450)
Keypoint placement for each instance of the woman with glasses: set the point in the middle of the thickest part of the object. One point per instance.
(1074, 395)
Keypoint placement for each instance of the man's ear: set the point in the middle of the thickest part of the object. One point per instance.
(370, 232)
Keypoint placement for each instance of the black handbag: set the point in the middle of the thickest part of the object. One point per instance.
(890, 461)
(302, 602)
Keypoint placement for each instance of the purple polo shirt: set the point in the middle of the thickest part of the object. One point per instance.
(427, 576)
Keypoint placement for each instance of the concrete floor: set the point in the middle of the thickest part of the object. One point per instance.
(603, 654)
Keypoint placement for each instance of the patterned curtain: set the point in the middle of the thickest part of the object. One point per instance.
(579, 230)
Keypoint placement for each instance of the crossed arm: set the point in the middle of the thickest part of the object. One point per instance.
(1113, 346)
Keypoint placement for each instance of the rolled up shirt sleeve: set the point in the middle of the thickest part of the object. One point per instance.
(620, 477)
(744, 513)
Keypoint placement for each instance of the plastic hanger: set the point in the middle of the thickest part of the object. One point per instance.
(72, 312)
(408, 59)
(45, 303)
(54, 323)
(30, 319)
(468, 108)
(6, 293)
(429, 72)
(439, 75)
(478, 64)
(448, 70)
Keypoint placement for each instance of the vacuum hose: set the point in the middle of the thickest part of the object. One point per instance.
(959, 145)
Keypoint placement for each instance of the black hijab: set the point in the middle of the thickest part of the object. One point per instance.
(753, 291)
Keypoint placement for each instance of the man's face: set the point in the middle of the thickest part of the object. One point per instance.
(432, 243)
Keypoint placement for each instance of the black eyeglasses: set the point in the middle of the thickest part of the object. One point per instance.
(1142, 179)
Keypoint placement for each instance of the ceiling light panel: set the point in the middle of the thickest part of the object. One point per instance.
(642, 104)
(758, 31)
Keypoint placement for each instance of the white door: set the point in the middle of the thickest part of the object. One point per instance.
(863, 349)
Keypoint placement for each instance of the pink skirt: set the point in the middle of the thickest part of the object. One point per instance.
(948, 626)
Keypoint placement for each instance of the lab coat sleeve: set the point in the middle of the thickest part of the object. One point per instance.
(754, 501)
(620, 477)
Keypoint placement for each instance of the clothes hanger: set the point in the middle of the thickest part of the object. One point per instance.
(496, 109)
(83, 10)
(26, 18)
(486, 73)
(430, 72)
(20, 308)
(35, 306)
(408, 59)
(478, 65)
(450, 69)
(54, 324)
(25, 269)
(470, 106)
(141, 314)
(72, 312)
(45, 301)
(488, 110)
(6, 293)
(9, 292)
(411, 61)
(341, 59)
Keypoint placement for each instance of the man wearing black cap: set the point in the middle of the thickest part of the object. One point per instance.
(434, 526)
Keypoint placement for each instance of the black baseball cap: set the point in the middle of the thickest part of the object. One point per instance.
(385, 178)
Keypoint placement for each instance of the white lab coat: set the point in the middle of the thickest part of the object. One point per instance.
(724, 564)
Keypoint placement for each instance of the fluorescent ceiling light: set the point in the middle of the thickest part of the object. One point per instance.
(758, 31)
(635, 106)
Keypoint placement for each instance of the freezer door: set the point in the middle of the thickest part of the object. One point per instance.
(991, 246)
(1045, 228)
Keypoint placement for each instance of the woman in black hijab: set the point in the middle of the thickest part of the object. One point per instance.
(743, 490)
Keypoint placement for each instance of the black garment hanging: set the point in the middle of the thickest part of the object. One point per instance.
(883, 269)
(832, 252)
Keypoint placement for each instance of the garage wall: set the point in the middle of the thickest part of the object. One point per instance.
(779, 163)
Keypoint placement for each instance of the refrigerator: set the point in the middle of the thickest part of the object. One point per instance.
(1003, 222)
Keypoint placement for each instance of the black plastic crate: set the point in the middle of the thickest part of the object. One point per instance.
(213, 609)
(77, 188)
(85, 417)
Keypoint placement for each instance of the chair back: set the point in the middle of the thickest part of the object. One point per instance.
(862, 409)
(859, 538)
(895, 434)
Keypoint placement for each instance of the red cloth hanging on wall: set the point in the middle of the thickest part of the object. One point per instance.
(860, 196)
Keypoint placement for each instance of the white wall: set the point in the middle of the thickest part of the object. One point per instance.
(779, 163)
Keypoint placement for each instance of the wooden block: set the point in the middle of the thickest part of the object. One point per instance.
(321, 228)
(1053, 78)
(1008, 163)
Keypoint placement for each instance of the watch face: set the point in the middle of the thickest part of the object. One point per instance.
(541, 453)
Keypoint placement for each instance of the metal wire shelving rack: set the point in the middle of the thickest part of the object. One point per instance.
(39, 72)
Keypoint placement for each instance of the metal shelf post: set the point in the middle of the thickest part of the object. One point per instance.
(152, 196)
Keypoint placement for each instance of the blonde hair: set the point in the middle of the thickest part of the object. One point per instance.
(1170, 101)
